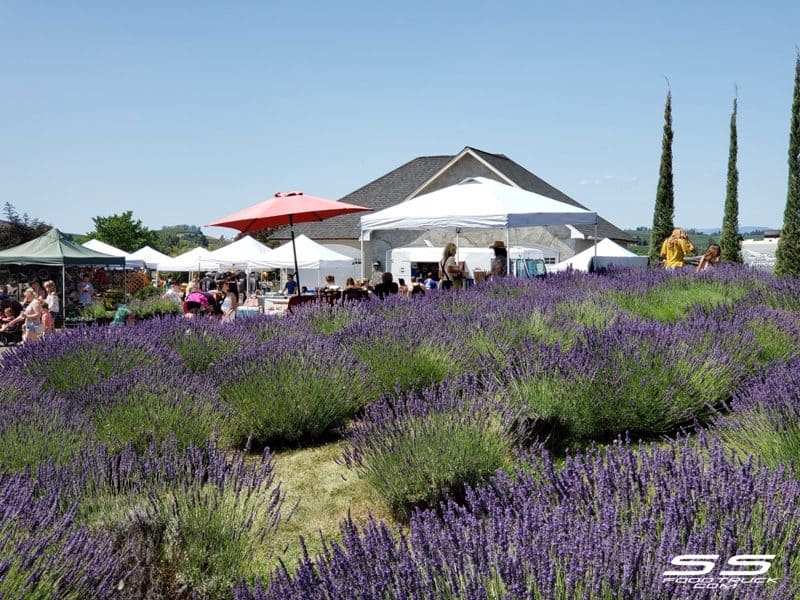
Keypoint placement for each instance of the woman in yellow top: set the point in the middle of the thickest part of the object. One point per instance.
(675, 248)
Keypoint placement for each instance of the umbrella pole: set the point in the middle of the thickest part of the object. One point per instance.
(294, 251)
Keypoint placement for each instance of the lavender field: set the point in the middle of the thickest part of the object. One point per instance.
(558, 438)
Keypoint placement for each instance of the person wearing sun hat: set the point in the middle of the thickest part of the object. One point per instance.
(500, 260)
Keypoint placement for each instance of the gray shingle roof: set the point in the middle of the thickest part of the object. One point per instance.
(527, 180)
(386, 191)
(397, 185)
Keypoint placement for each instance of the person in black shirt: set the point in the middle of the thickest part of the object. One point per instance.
(387, 286)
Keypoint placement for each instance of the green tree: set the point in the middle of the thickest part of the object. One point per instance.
(122, 232)
(18, 229)
(729, 236)
(788, 252)
(665, 194)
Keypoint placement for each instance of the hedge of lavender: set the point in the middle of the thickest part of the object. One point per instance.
(604, 525)
(129, 431)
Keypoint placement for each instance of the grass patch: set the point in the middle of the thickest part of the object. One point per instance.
(328, 492)
(674, 300)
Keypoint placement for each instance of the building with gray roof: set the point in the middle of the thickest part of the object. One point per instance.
(429, 173)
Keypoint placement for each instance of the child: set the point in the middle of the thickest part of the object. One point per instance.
(53, 301)
(47, 319)
(709, 259)
(8, 316)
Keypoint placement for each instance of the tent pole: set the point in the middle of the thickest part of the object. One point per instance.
(63, 292)
(594, 262)
(508, 253)
(361, 237)
(294, 251)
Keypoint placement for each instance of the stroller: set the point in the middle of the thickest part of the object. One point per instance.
(201, 303)
(12, 336)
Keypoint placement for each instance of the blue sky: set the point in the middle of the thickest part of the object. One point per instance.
(185, 112)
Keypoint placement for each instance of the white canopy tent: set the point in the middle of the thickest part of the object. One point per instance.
(604, 254)
(477, 203)
(99, 246)
(311, 257)
(150, 256)
(197, 259)
(241, 253)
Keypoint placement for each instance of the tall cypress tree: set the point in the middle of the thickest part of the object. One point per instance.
(788, 252)
(729, 237)
(665, 195)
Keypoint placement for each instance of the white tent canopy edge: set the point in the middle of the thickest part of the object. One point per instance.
(476, 203)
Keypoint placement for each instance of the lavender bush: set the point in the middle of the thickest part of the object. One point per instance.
(418, 449)
(203, 512)
(766, 417)
(605, 525)
(34, 433)
(45, 553)
(110, 429)
(153, 404)
(290, 393)
(71, 363)
(408, 350)
(213, 528)
(200, 343)
(777, 332)
(644, 377)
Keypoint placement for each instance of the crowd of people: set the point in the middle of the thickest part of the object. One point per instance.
(33, 317)
(219, 296)
(215, 298)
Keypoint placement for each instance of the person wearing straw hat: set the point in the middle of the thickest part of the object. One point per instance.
(500, 260)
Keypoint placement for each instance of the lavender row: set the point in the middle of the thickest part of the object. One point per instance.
(606, 524)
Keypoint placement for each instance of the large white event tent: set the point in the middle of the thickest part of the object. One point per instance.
(313, 258)
(608, 253)
(477, 203)
(150, 256)
(99, 246)
(197, 259)
(241, 253)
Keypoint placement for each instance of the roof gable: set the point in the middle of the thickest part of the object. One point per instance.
(527, 180)
(424, 174)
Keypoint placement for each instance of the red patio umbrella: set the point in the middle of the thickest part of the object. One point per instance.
(286, 208)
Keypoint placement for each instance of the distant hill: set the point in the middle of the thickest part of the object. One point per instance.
(744, 229)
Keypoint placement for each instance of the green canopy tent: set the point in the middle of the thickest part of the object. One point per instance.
(53, 249)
